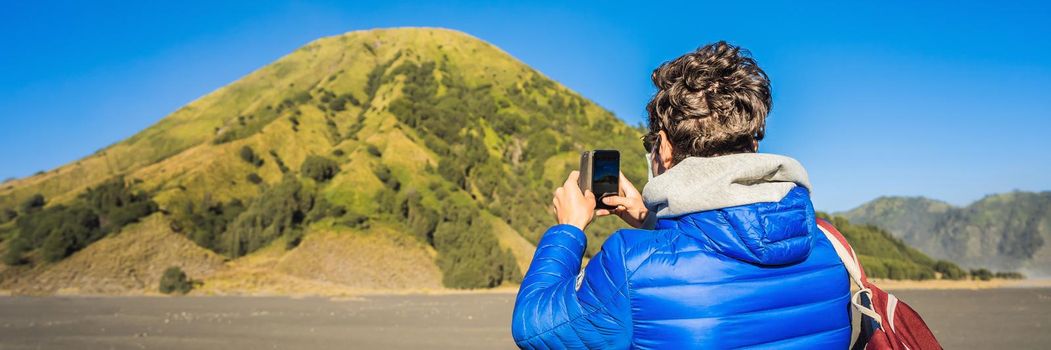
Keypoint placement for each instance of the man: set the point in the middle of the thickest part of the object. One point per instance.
(734, 257)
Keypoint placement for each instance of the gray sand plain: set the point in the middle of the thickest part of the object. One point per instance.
(962, 319)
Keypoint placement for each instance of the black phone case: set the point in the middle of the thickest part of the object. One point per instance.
(584, 181)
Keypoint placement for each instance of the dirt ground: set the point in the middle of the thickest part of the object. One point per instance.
(1005, 318)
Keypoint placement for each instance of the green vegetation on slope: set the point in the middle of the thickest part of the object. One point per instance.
(884, 256)
(507, 148)
(319, 168)
(499, 147)
(204, 221)
(62, 229)
(469, 254)
(248, 155)
(279, 212)
(425, 131)
(233, 229)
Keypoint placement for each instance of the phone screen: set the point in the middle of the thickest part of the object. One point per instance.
(605, 175)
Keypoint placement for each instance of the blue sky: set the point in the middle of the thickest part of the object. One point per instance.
(948, 100)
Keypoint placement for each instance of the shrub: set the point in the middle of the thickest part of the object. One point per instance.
(469, 255)
(900, 270)
(982, 274)
(245, 126)
(279, 211)
(249, 156)
(373, 150)
(175, 281)
(1009, 275)
(352, 132)
(295, 123)
(422, 221)
(293, 238)
(15, 248)
(61, 230)
(353, 100)
(355, 220)
(206, 221)
(280, 163)
(338, 104)
(453, 171)
(325, 209)
(76, 228)
(301, 97)
(32, 203)
(319, 168)
(333, 130)
(949, 270)
(254, 178)
(385, 176)
(117, 205)
(7, 215)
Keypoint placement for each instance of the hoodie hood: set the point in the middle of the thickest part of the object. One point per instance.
(751, 207)
(699, 184)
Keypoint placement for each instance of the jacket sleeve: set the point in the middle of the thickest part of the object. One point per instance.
(551, 312)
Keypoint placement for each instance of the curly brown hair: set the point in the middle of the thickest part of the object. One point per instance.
(710, 102)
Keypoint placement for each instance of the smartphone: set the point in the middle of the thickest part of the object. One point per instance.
(600, 173)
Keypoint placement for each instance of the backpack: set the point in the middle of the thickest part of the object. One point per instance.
(885, 322)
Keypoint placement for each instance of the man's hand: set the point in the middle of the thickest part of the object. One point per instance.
(571, 206)
(630, 207)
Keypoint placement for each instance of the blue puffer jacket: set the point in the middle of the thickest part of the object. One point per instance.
(758, 275)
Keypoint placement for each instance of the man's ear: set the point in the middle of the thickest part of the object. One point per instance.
(665, 151)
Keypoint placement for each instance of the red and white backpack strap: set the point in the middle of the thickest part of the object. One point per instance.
(850, 262)
(892, 305)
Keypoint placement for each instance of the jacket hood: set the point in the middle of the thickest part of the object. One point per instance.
(751, 207)
(698, 184)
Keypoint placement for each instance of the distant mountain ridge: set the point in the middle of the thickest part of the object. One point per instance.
(1007, 232)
